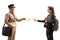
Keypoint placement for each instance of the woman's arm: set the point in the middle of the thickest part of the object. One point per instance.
(39, 20)
(52, 18)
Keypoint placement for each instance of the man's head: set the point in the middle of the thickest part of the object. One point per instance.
(11, 7)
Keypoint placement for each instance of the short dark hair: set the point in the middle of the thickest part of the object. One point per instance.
(51, 8)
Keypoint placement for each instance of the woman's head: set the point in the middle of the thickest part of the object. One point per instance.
(50, 9)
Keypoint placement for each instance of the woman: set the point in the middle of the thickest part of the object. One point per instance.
(49, 23)
(10, 21)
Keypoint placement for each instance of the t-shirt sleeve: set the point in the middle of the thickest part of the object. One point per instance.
(6, 17)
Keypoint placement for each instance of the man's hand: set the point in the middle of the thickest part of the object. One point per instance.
(20, 19)
(23, 18)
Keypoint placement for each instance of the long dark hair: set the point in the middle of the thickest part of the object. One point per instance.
(51, 8)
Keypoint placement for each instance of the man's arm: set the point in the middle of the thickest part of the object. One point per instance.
(39, 20)
(20, 19)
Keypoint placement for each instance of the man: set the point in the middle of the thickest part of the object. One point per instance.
(10, 20)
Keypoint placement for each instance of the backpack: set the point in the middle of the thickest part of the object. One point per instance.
(56, 25)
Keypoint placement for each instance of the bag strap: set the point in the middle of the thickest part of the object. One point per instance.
(4, 25)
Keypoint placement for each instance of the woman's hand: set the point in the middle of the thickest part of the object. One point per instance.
(35, 19)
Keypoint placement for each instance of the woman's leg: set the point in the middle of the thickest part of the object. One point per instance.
(49, 34)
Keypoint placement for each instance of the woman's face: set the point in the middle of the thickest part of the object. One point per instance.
(49, 11)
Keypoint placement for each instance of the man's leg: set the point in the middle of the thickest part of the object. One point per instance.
(14, 33)
(9, 38)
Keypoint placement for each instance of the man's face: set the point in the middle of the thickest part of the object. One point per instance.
(12, 8)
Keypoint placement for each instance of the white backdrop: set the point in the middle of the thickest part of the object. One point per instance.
(30, 30)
